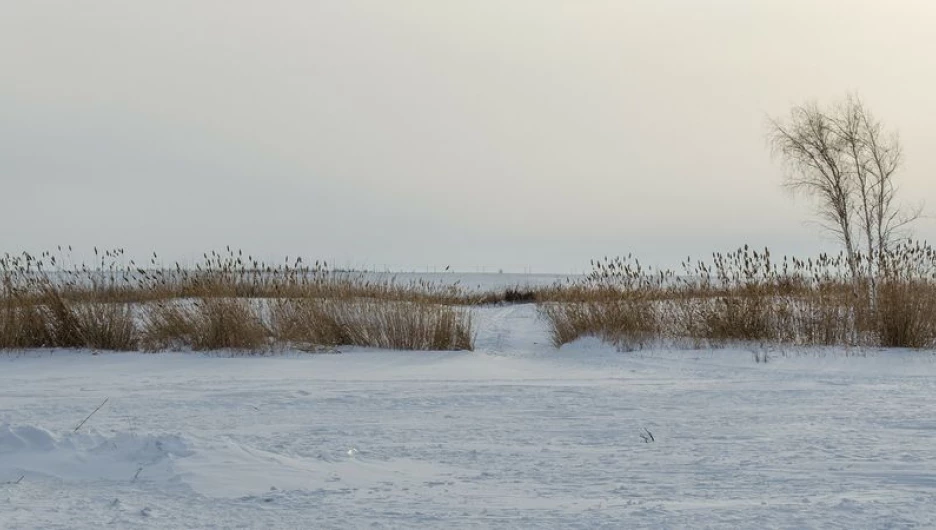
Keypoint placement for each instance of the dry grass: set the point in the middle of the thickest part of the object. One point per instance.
(228, 301)
(234, 302)
(629, 323)
(22, 327)
(106, 326)
(370, 322)
(906, 315)
(744, 296)
(204, 324)
(49, 320)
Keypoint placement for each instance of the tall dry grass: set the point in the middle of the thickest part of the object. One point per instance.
(228, 301)
(36, 311)
(204, 324)
(232, 301)
(746, 296)
(401, 325)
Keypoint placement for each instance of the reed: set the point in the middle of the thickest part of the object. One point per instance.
(227, 301)
(747, 296)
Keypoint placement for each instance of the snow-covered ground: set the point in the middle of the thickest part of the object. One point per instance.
(513, 435)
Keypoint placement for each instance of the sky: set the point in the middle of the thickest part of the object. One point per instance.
(523, 135)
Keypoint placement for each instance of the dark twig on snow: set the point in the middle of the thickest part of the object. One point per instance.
(647, 436)
(92, 414)
(15, 482)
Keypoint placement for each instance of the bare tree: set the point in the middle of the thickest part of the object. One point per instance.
(848, 120)
(810, 143)
(846, 159)
(883, 159)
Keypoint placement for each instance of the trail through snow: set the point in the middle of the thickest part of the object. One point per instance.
(513, 435)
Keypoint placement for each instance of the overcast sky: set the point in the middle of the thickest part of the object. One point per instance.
(500, 133)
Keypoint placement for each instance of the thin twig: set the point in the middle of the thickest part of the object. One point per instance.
(648, 437)
(92, 414)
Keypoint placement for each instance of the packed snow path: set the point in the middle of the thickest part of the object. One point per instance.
(514, 435)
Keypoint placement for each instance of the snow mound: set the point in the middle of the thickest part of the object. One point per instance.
(220, 468)
(25, 438)
(90, 456)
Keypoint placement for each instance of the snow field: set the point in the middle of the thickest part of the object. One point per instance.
(513, 435)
